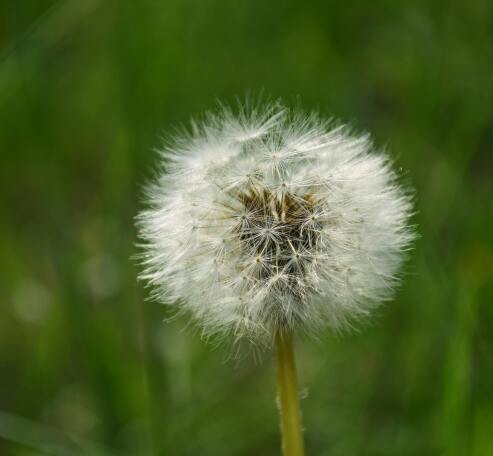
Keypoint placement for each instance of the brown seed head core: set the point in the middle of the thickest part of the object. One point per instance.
(280, 231)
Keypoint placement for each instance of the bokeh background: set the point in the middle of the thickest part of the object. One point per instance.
(87, 90)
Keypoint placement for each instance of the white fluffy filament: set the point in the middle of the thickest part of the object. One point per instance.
(269, 221)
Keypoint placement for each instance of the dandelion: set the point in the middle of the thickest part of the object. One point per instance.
(269, 222)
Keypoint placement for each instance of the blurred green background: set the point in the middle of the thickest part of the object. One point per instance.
(87, 89)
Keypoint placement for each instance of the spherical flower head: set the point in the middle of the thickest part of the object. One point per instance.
(270, 220)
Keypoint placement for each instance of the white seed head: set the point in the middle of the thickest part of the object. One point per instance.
(270, 220)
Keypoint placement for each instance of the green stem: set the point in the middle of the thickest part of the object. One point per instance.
(288, 396)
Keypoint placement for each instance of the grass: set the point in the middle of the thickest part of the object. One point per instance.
(87, 88)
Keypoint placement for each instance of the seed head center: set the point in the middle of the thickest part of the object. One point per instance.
(281, 233)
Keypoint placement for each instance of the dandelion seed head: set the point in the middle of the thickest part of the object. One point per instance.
(269, 220)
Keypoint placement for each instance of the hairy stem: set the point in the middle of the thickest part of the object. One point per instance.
(288, 399)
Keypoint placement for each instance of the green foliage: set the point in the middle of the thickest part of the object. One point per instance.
(87, 88)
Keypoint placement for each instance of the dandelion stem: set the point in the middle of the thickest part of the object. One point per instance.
(288, 399)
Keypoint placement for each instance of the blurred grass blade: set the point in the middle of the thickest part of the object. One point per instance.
(43, 438)
(36, 436)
